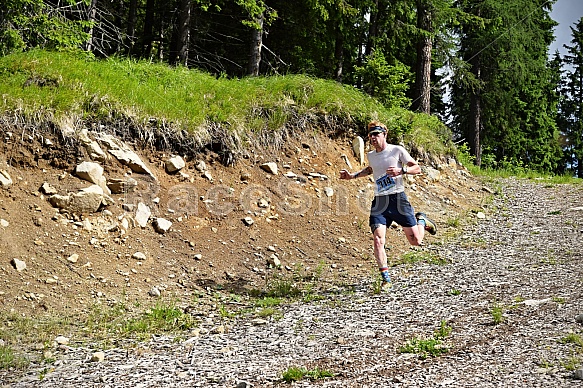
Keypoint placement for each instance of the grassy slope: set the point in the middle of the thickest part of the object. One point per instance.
(68, 90)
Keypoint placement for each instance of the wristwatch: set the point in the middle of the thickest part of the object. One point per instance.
(404, 169)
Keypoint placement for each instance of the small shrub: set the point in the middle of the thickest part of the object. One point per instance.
(8, 359)
(426, 347)
(497, 314)
(299, 373)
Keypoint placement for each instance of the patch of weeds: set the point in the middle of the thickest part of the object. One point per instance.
(224, 313)
(453, 222)
(571, 363)
(269, 312)
(454, 292)
(426, 347)
(9, 359)
(497, 313)
(558, 300)
(413, 257)
(554, 212)
(573, 338)
(299, 373)
(519, 299)
(163, 317)
(545, 364)
(267, 302)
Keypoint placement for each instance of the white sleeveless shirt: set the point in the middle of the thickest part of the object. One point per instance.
(391, 156)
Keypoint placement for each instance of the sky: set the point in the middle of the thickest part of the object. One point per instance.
(566, 13)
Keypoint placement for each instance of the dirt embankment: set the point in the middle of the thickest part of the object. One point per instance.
(228, 224)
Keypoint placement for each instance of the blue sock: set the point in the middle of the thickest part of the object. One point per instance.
(385, 274)
(421, 222)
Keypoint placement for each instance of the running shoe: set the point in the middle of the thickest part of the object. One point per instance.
(430, 226)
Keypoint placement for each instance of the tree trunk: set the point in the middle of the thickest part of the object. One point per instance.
(373, 27)
(422, 100)
(339, 54)
(256, 44)
(183, 33)
(131, 27)
(148, 35)
(91, 13)
(475, 124)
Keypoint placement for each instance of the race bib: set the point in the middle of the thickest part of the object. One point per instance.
(385, 183)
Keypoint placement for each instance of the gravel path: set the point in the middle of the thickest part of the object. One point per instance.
(525, 260)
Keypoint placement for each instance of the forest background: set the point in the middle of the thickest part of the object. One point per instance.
(512, 105)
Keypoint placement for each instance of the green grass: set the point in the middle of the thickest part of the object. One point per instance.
(10, 359)
(497, 312)
(432, 346)
(119, 91)
(299, 373)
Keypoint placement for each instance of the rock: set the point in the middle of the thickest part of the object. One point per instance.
(244, 176)
(87, 200)
(154, 292)
(248, 221)
(358, 149)
(139, 256)
(90, 171)
(579, 374)
(62, 340)
(579, 319)
(536, 302)
(124, 154)
(18, 265)
(273, 261)
(4, 223)
(432, 174)
(143, 214)
(481, 215)
(329, 191)
(98, 357)
(207, 175)
(5, 180)
(162, 225)
(200, 166)
(270, 167)
(120, 186)
(347, 161)
(47, 189)
(174, 164)
(73, 258)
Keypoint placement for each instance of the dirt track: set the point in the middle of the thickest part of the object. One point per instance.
(524, 260)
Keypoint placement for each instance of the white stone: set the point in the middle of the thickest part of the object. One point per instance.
(5, 179)
(73, 258)
(98, 357)
(154, 292)
(19, 265)
(270, 167)
(162, 225)
(62, 340)
(358, 149)
(143, 214)
(90, 171)
(174, 164)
